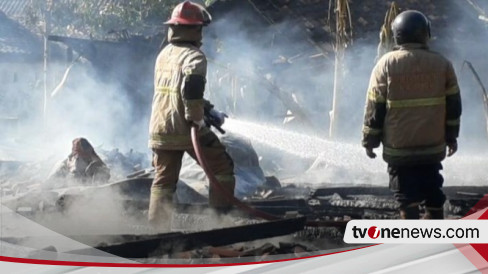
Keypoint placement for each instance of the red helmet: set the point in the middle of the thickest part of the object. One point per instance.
(189, 13)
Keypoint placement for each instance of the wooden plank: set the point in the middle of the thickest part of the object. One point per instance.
(155, 245)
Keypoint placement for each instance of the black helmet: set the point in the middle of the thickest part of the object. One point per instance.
(411, 26)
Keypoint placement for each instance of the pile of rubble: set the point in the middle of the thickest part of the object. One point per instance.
(309, 218)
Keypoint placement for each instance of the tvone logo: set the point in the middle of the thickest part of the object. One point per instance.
(373, 232)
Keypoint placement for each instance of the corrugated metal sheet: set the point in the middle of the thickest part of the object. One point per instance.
(17, 42)
(17, 8)
(14, 8)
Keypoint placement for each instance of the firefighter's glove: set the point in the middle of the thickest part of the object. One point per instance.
(218, 117)
(451, 148)
(200, 124)
(370, 153)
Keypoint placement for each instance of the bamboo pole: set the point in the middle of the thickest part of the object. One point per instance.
(484, 93)
(387, 41)
(47, 30)
(343, 24)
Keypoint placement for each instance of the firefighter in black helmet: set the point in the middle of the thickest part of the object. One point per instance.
(411, 27)
(413, 108)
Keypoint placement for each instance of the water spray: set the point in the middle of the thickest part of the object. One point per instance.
(305, 146)
(230, 197)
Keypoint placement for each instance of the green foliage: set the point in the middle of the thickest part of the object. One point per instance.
(82, 18)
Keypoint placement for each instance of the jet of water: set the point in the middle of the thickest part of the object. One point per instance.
(341, 162)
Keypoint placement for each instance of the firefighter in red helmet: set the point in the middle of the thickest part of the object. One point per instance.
(178, 103)
(189, 13)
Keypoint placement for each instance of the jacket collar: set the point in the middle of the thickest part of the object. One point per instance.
(182, 35)
(408, 46)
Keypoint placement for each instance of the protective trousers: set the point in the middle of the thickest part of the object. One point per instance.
(167, 164)
(418, 185)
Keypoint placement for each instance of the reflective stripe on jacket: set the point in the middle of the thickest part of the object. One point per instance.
(172, 114)
(413, 106)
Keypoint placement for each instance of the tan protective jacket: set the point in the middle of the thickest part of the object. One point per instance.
(171, 113)
(413, 106)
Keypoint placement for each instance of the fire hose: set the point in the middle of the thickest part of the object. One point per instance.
(230, 196)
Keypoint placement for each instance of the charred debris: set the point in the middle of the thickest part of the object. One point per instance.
(312, 218)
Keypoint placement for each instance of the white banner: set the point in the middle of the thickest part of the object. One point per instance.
(416, 231)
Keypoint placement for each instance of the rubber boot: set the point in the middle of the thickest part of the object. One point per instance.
(434, 213)
(160, 212)
(410, 213)
(218, 200)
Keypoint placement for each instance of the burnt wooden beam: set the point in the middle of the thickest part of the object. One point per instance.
(450, 191)
(141, 246)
